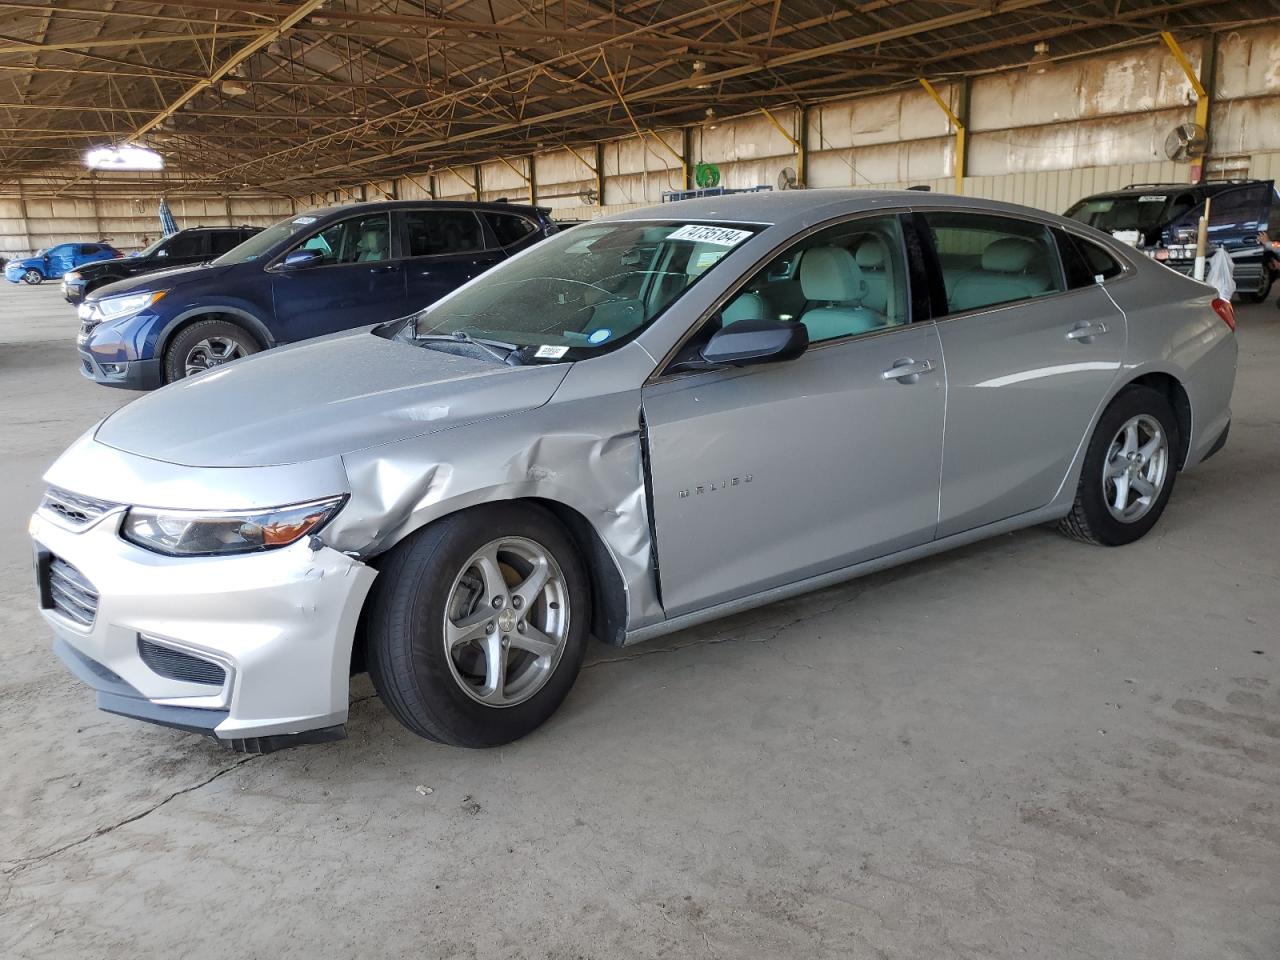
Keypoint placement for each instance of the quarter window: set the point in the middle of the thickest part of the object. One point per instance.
(509, 228)
(989, 260)
(435, 232)
(224, 240)
(364, 239)
(845, 280)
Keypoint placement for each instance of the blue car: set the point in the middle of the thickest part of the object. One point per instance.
(52, 263)
(309, 275)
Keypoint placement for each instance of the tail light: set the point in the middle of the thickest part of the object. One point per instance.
(1227, 312)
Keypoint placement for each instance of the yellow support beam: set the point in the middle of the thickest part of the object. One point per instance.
(521, 174)
(961, 133)
(799, 147)
(1203, 99)
(684, 167)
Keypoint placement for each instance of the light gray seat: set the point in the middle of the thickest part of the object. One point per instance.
(1006, 272)
(747, 305)
(870, 257)
(374, 245)
(830, 275)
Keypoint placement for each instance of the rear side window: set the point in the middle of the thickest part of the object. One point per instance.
(435, 232)
(988, 260)
(88, 248)
(223, 240)
(509, 228)
(184, 245)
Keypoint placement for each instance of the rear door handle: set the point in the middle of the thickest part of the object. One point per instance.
(1085, 332)
(907, 370)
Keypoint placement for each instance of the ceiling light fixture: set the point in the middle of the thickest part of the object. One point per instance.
(712, 118)
(700, 81)
(1039, 63)
(234, 87)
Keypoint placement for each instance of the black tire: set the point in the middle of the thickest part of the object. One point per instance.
(1259, 295)
(176, 354)
(405, 647)
(1090, 519)
(33, 277)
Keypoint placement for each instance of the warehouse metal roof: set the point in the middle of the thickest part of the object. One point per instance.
(302, 97)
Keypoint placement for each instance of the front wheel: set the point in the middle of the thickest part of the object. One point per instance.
(33, 276)
(1128, 472)
(1259, 295)
(204, 345)
(478, 625)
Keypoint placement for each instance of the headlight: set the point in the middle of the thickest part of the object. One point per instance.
(193, 534)
(118, 308)
(71, 275)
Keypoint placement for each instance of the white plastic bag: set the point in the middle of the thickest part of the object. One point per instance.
(1221, 274)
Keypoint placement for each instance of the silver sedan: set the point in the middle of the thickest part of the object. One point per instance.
(642, 423)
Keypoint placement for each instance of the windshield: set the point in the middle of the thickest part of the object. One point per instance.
(152, 248)
(1141, 212)
(260, 243)
(587, 289)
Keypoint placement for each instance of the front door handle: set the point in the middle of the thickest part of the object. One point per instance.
(385, 268)
(1086, 331)
(907, 370)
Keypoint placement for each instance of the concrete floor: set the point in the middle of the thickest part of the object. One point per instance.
(1029, 747)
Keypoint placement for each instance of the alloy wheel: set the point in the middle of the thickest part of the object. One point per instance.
(33, 276)
(506, 622)
(1136, 468)
(212, 352)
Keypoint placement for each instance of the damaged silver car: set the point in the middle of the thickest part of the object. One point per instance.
(642, 423)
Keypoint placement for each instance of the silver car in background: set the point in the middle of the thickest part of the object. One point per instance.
(642, 423)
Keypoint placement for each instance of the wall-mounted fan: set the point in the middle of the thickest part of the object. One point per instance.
(788, 179)
(1186, 142)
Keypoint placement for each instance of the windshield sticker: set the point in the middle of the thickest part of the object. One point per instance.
(600, 336)
(305, 220)
(547, 352)
(1151, 199)
(721, 236)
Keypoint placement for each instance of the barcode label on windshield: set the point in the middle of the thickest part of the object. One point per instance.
(721, 236)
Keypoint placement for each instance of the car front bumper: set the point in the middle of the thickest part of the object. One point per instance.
(128, 374)
(277, 626)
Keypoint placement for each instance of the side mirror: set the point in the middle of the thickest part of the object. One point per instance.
(300, 259)
(756, 341)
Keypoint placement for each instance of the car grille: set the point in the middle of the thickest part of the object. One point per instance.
(177, 665)
(70, 593)
(77, 509)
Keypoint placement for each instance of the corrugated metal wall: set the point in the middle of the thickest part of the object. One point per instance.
(1040, 139)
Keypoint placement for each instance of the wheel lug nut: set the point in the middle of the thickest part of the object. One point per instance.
(497, 603)
(517, 602)
(506, 642)
(488, 627)
(520, 626)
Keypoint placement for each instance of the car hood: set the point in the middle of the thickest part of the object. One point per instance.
(322, 398)
(158, 280)
(25, 262)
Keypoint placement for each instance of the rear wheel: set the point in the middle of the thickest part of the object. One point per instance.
(33, 276)
(478, 625)
(206, 344)
(1128, 472)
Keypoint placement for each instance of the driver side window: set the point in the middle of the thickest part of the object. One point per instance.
(364, 239)
(842, 281)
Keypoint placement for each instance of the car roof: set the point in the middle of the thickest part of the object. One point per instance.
(795, 208)
(372, 206)
(1203, 187)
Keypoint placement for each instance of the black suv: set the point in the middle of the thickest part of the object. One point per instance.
(1162, 219)
(181, 249)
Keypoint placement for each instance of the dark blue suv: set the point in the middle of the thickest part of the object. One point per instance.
(312, 274)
